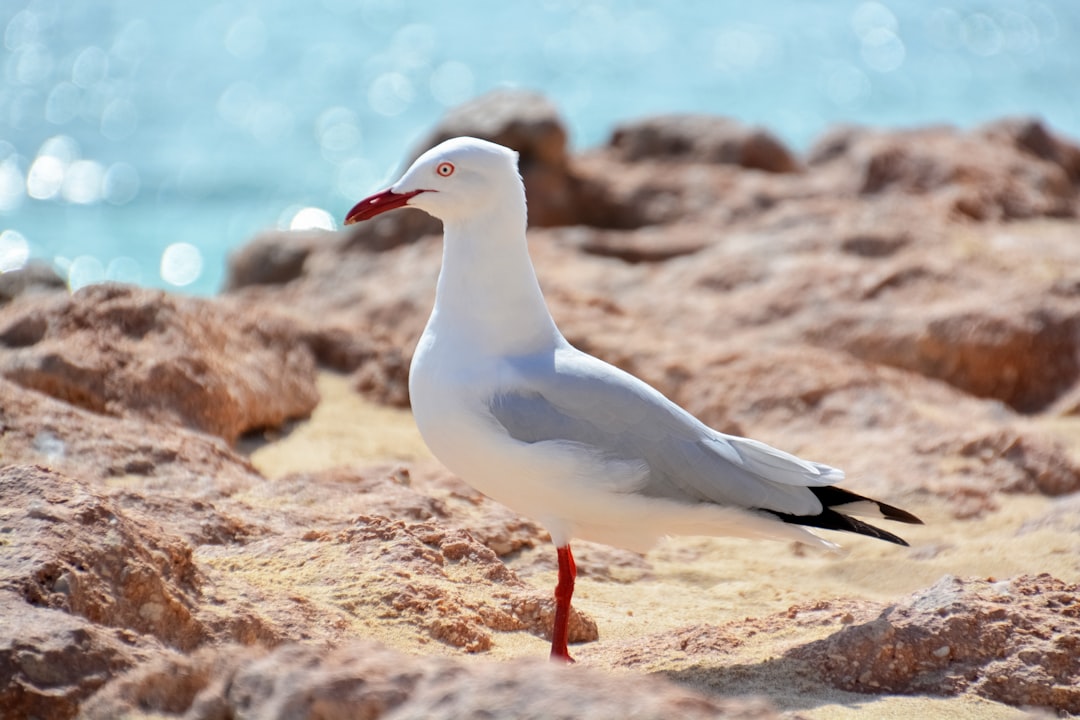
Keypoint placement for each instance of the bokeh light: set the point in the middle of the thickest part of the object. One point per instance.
(391, 94)
(84, 270)
(120, 184)
(124, 270)
(181, 264)
(312, 218)
(90, 67)
(131, 133)
(14, 251)
(452, 83)
(83, 182)
(45, 178)
(12, 184)
(246, 38)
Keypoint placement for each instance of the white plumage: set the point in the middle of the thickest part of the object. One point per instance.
(505, 402)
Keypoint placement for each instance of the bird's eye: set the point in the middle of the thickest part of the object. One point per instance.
(445, 169)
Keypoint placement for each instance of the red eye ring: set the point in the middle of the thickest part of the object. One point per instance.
(445, 169)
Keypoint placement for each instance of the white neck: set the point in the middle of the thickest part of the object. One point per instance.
(488, 295)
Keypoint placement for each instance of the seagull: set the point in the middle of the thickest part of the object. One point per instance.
(586, 449)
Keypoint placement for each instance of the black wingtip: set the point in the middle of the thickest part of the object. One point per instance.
(832, 517)
(833, 497)
(895, 513)
(863, 528)
(829, 519)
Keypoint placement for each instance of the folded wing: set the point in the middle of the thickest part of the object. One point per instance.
(576, 397)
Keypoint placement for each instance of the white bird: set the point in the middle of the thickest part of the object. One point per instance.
(589, 451)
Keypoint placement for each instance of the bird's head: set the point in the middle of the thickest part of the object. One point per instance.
(455, 179)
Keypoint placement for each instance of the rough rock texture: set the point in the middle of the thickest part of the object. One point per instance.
(263, 261)
(73, 550)
(141, 567)
(36, 277)
(38, 428)
(1025, 357)
(1006, 170)
(417, 494)
(88, 589)
(1016, 641)
(368, 681)
(433, 583)
(52, 661)
(117, 350)
(900, 304)
(702, 139)
(807, 256)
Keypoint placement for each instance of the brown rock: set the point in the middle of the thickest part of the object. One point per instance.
(648, 246)
(272, 258)
(38, 429)
(364, 680)
(419, 576)
(124, 561)
(1032, 136)
(875, 244)
(118, 350)
(494, 525)
(51, 661)
(848, 312)
(71, 549)
(1016, 642)
(1029, 175)
(355, 312)
(1026, 358)
(382, 375)
(34, 278)
(702, 139)
(332, 499)
(194, 685)
(1063, 516)
(1024, 462)
(714, 656)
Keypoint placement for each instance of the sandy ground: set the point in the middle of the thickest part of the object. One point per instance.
(696, 581)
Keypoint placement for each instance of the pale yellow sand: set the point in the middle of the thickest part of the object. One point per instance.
(712, 581)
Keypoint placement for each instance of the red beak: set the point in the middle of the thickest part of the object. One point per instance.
(379, 203)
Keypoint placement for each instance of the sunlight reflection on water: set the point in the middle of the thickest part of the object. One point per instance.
(133, 133)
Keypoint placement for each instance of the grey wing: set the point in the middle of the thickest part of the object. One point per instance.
(576, 397)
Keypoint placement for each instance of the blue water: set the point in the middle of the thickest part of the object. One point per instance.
(142, 141)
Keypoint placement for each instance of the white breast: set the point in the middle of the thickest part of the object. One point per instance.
(567, 487)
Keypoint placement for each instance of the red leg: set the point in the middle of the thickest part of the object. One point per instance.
(563, 592)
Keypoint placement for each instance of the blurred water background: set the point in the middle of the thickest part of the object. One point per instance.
(140, 141)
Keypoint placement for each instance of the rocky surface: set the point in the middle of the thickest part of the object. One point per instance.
(702, 139)
(202, 514)
(73, 550)
(1016, 641)
(116, 350)
(36, 277)
(51, 662)
(367, 681)
(37, 428)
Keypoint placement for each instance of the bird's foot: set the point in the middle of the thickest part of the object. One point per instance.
(562, 656)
